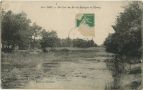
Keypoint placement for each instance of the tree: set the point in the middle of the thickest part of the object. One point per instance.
(67, 42)
(18, 31)
(35, 34)
(49, 39)
(15, 30)
(83, 43)
(127, 37)
(91, 43)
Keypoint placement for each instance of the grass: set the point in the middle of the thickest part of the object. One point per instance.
(19, 67)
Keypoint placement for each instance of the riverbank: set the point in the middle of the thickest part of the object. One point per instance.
(127, 73)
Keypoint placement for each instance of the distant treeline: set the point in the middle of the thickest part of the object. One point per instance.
(127, 37)
(18, 32)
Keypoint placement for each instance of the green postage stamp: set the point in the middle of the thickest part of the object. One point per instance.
(85, 24)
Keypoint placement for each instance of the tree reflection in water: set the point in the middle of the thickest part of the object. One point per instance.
(126, 73)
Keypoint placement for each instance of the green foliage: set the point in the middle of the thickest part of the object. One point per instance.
(17, 31)
(76, 43)
(67, 42)
(127, 37)
(49, 39)
(83, 43)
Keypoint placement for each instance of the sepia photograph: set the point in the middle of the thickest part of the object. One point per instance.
(76, 45)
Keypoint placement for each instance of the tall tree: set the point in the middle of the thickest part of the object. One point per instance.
(15, 29)
(127, 37)
(18, 31)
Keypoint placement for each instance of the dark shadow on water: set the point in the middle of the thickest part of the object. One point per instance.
(126, 73)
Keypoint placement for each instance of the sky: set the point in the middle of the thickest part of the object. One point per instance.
(62, 20)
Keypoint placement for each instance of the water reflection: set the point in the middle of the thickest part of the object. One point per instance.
(72, 69)
(126, 72)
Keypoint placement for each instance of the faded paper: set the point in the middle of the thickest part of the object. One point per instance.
(43, 48)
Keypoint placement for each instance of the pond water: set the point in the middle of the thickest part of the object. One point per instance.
(88, 70)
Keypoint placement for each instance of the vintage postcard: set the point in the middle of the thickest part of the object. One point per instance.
(76, 45)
